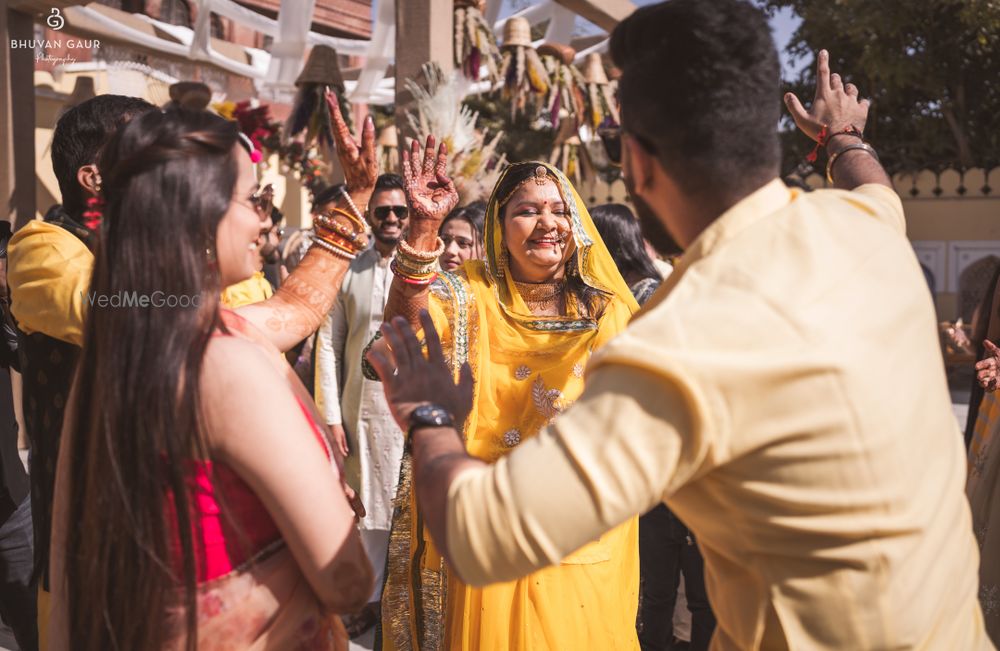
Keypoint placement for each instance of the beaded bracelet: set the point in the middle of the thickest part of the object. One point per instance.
(824, 136)
(353, 206)
(323, 222)
(334, 249)
(408, 251)
(359, 224)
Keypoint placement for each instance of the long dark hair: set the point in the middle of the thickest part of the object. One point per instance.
(473, 214)
(621, 233)
(169, 178)
(591, 300)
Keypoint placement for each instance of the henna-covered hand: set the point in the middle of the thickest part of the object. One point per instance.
(988, 369)
(430, 192)
(360, 163)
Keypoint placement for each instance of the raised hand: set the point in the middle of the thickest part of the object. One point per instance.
(411, 379)
(988, 370)
(360, 163)
(430, 192)
(835, 106)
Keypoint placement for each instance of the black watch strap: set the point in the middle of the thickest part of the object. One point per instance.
(429, 415)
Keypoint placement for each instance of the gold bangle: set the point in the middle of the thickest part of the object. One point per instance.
(410, 276)
(357, 239)
(353, 219)
(411, 269)
(408, 251)
(862, 146)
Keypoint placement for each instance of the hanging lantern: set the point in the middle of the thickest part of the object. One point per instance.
(310, 114)
(565, 99)
(572, 157)
(387, 144)
(475, 42)
(525, 80)
(599, 98)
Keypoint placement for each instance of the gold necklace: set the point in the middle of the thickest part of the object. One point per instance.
(541, 298)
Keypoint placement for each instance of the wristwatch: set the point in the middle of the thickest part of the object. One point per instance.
(429, 415)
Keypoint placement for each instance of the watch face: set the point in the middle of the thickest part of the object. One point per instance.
(430, 416)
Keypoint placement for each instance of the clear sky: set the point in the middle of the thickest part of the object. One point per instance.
(783, 25)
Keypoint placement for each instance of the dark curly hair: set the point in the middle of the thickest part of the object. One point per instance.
(700, 89)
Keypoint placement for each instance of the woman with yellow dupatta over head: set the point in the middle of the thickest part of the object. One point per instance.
(526, 319)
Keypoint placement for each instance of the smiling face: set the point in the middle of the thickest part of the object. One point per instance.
(460, 244)
(238, 230)
(537, 232)
(389, 215)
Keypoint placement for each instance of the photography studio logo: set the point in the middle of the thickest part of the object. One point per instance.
(55, 20)
(56, 50)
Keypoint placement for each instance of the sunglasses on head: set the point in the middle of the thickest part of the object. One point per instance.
(263, 201)
(382, 212)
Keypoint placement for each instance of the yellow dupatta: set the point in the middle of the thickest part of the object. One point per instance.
(527, 369)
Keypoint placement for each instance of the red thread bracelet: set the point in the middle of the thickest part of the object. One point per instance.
(824, 136)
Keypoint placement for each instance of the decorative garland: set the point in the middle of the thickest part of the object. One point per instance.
(256, 122)
(475, 42)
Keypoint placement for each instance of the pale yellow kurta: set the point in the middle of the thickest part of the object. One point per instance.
(784, 393)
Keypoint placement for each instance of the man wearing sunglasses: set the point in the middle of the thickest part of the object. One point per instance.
(355, 407)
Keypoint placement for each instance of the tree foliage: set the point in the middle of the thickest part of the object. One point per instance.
(930, 67)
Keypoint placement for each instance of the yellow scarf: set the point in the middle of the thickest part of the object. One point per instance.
(527, 370)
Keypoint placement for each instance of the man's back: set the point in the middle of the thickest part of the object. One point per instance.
(829, 501)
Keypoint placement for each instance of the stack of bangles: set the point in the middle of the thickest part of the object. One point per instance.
(338, 238)
(823, 141)
(416, 267)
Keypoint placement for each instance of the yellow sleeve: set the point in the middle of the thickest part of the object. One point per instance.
(49, 273)
(614, 454)
(254, 289)
(889, 206)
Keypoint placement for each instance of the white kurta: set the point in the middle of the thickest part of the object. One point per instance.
(374, 439)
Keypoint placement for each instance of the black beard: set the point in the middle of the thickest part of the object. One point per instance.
(393, 241)
(652, 228)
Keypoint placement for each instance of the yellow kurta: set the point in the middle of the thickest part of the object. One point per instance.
(528, 370)
(254, 289)
(784, 394)
(49, 272)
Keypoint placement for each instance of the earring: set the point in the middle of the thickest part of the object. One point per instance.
(210, 255)
(93, 215)
(502, 260)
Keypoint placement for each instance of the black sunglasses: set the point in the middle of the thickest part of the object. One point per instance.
(382, 212)
(610, 133)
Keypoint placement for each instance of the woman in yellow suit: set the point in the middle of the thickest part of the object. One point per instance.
(526, 318)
